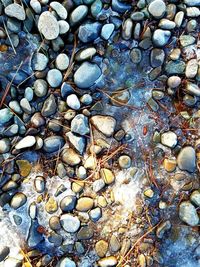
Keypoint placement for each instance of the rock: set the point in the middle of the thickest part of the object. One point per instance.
(119, 6)
(108, 261)
(49, 106)
(89, 32)
(188, 213)
(68, 203)
(78, 14)
(161, 37)
(86, 75)
(5, 115)
(175, 67)
(169, 164)
(86, 99)
(107, 176)
(26, 142)
(73, 102)
(101, 248)
(48, 25)
(25, 105)
(4, 145)
(192, 89)
(60, 9)
(136, 55)
(39, 61)
(84, 204)
(28, 94)
(174, 81)
(24, 167)
(70, 157)
(127, 29)
(114, 244)
(51, 205)
(66, 262)
(96, 8)
(85, 54)
(162, 228)
(78, 142)
(107, 30)
(40, 87)
(80, 125)
(192, 2)
(70, 223)
(36, 6)
(63, 26)
(157, 8)
(4, 252)
(187, 159)
(54, 78)
(81, 172)
(166, 24)
(179, 18)
(39, 184)
(85, 233)
(98, 185)
(124, 162)
(193, 12)
(53, 144)
(169, 139)
(15, 11)
(195, 198)
(186, 40)
(191, 68)
(54, 223)
(18, 200)
(137, 16)
(105, 124)
(62, 61)
(157, 57)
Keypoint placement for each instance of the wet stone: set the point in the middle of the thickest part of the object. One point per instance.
(60, 9)
(54, 223)
(78, 14)
(54, 78)
(161, 37)
(5, 115)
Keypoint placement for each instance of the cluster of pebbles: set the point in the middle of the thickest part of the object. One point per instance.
(56, 114)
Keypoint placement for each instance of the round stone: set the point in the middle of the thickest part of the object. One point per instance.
(18, 200)
(54, 223)
(63, 26)
(195, 198)
(174, 81)
(107, 175)
(66, 262)
(73, 102)
(53, 144)
(70, 157)
(26, 142)
(187, 159)
(39, 184)
(40, 87)
(161, 37)
(54, 78)
(136, 55)
(101, 248)
(110, 261)
(60, 9)
(86, 75)
(188, 213)
(85, 54)
(107, 30)
(68, 203)
(62, 61)
(157, 8)
(4, 145)
(15, 11)
(70, 223)
(78, 14)
(48, 25)
(84, 204)
(124, 161)
(169, 139)
(39, 61)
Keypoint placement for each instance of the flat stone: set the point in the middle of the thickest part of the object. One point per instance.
(109, 261)
(26, 142)
(192, 89)
(107, 175)
(15, 11)
(48, 25)
(70, 223)
(85, 54)
(157, 57)
(187, 159)
(188, 213)
(86, 75)
(175, 67)
(107, 30)
(85, 233)
(105, 124)
(191, 68)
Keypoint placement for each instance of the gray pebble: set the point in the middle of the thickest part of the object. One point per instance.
(49, 106)
(80, 125)
(63, 26)
(25, 105)
(157, 8)
(187, 159)
(107, 30)
(136, 55)
(53, 144)
(188, 213)
(48, 25)
(70, 223)
(40, 87)
(160, 37)
(73, 102)
(36, 6)
(54, 78)
(60, 9)
(39, 61)
(16, 11)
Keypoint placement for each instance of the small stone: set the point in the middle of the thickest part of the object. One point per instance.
(40, 87)
(39, 184)
(28, 94)
(174, 81)
(60, 9)
(4, 252)
(89, 32)
(85, 54)
(18, 200)
(24, 167)
(5, 115)
(193, 12)
(137, 16)
(167, 24)
(68, 203)
(78, 14)
(191, 68)
(101, 248)
(157, 57)
(15, 11)
(127, 29)
(63, 26)
(186, 40)
(169, 165)
(161, 37)
(49, 106)
(175, 67)
(108, 261)
(39, 61)
(48, 25)
(26, 142)
(70, 223)
(53, 144)
(192, 88)
(124, 162)
(85, 233)
(179, 18)
(105, 124)
(51, 205)
(84, 204)
(107, 175)
(80, 125)
(66, 262)
(187, 159)
(73, 102)
(4, 145)
(54, 78)
(54, 223)
(169, 139)
(96, 8)
(86, 75)
(70, 157)
(55, 238)
(95, 214)
(188, 213)
(62, 61)
(195, 198)
(98, 185)
(107, 30)
(36, 6)
(149, 193)
(162, 228)
(157, 8)
(192, 2)
(114, 244)
(78, 142)
(25, 105)
(136, 55)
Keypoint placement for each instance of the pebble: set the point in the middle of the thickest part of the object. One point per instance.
(28, 94)
(191, 68)
(86, 75)
(54, 78)
(161, 37)
(85, 233)
(78, 142)
(70, 157)
(53, 144)
(186, 40)
(66, 262)
(18, 200)
(48, 25)
(39, 184)
(174, 81)
(11, 131)
(157, 57)
(192, 89)
(136, 55)
(188, 213)
(15, 11)
(4, 252)
(127, 29)
(167, 24)
(26, 142)
(60, 9)
(107, 30)
(4, 145)
(40, 87)
(108, 261)
(63, 26)
(81, 172)
(124, 162)
(107, 175)
(68, 203)
(195, 198)
(80, 125)
(70, 223)
(25, 105)
(186, 159)
(62, 61)
(78, 14)
(193, 12)
(114, 244)
(85, 54)
(101, 248)
(51, 205)
(105, 124)
(157, 8)
(36, 6)
(175, 67)
(39, 61)
(89, 32)
(49, 106)
(84, 204)
(169, 139)
(54, 223)
(95, 214)
(24, 167)
(73, 102)
(192, 2)
(162, 228)
(5, 115)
